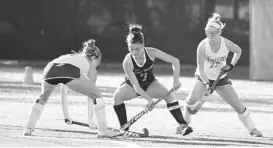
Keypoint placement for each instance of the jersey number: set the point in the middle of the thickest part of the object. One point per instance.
(144, 76)
(214, 64)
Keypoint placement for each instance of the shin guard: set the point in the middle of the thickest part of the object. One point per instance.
(187, 115)
(246, 120)
(34, 116)
(91, 124)
(99, 110)
(175, 110)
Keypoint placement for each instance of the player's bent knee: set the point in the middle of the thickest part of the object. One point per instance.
(192, 100)
(118, 98)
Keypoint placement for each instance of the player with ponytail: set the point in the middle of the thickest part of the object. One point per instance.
(78, 72)
(140, 80)
(212, 57)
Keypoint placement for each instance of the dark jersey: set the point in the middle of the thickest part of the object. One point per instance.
(144, 73)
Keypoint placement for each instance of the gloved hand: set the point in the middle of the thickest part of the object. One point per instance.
(150, 105)
(209, 89)
(227, 68)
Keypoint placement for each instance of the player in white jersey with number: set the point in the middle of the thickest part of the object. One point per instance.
(78, 72)
(212, 54)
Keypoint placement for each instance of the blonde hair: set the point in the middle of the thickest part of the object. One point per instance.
(215, 21)
(90, 49)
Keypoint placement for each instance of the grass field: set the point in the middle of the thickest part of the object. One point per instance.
(216, 125)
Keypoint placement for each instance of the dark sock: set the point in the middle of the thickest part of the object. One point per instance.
(121, 113)
(177, 114)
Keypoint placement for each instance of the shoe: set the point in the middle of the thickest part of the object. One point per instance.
(256, 133)
(188, 131)
(28, 132)
(184, 129)
(108, 134)
(93, 125)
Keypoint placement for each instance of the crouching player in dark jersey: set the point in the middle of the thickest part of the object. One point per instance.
(78, 72)
(138, 66)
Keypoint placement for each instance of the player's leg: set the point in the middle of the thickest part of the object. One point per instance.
(157, 90)
(121, 94)
(229, 94)
(84, 86)
(193, 97)
(90, 103)
(46, 90)
(87, 87)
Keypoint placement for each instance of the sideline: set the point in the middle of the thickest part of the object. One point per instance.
(240, 72)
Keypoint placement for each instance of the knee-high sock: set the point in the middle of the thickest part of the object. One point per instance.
(186, 114)
(99, 111)
(34, 115)
(246, 120)
(121, 113)
(90, 113)
(175, 110)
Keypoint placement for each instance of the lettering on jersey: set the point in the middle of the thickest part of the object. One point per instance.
(215, 61)
(138, 71)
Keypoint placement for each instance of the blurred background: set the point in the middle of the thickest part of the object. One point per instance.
(44, 29)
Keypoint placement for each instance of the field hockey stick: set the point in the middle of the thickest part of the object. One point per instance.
(76, 123)
(64, 91)
(202, 101)
(143, 112)
(129, 133)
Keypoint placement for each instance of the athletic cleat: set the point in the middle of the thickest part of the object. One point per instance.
(188, 131)
(92, 125)
(184, 129)
(28, 132)
(127, 134)
(108, 134)
(256, 133)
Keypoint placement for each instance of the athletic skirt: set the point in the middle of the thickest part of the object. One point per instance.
(222, 82)
(56, 73)
(143, 85)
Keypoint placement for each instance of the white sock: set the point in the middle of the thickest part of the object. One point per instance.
(34, 116)
(99, 111)
(90, 113)
(246, 120)
(186, 115)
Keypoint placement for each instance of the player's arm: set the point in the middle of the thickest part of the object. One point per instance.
(156, 53)
(92, 75)
(200, 60)
(232, 47)
(128, 69)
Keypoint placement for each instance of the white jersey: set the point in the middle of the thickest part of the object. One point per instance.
(214, 61)
(78, 60)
